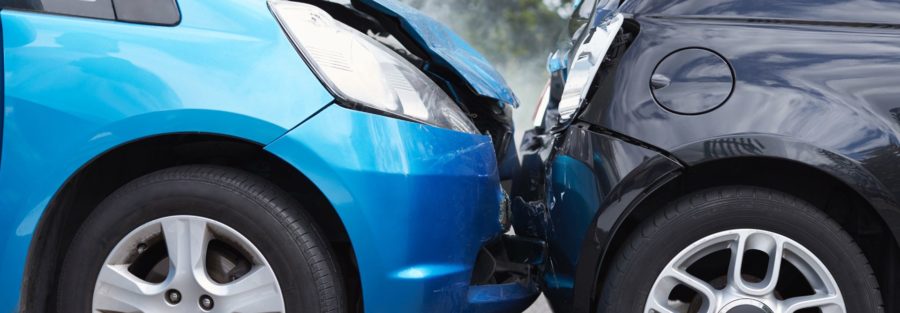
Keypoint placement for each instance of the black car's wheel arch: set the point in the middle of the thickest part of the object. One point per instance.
(73, 202)
(863, 213)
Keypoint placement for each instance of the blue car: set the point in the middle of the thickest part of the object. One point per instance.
(252, 156)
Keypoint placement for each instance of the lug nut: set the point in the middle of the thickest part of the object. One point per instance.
(206, 303)
(141, 248)
(173, 296)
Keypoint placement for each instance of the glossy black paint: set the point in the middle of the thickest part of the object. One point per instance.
(692, 81)
(816, 84)
(831, 88)
(868, 12)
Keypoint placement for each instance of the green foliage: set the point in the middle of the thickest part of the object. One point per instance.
(515, 35)
(505, 31)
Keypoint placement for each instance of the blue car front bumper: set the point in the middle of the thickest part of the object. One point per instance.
(418, 203)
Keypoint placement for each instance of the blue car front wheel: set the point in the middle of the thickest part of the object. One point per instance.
(200, 239)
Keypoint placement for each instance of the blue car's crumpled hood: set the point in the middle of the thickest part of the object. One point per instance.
(445, 46)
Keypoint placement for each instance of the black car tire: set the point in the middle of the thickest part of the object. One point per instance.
(306, 269)
(661, 238)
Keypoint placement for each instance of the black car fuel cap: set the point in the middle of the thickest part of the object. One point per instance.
(692, 81)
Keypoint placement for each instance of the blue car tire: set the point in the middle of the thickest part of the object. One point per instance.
(210, 237)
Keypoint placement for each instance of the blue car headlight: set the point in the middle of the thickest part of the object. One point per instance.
(364, 73)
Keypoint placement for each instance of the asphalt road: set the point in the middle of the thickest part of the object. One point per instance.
(540, 306)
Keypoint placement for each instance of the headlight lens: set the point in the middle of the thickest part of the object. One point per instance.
(365, 73)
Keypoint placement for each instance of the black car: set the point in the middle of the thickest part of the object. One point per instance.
(719, 156)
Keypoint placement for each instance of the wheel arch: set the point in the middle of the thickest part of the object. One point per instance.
(856, 200)
(72, 203)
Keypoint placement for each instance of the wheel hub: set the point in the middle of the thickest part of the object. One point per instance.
(746, 306)
(751, 262)
(202, 266)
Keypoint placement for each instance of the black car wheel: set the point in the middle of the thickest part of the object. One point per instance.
(200, 239)
(740, 249)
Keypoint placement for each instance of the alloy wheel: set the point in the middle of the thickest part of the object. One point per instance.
(186, 264)
(745, 271)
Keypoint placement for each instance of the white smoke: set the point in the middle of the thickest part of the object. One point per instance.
(525, 75)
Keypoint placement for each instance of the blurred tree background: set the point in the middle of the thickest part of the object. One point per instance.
(515, 35)
(504, 30)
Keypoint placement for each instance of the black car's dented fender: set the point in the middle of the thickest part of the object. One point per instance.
(821, 86)
(591, 180)
(814, 111)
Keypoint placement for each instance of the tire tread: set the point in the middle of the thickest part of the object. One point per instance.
(280, 205)
(686, 205)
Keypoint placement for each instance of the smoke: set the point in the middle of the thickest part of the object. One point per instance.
(515, 35)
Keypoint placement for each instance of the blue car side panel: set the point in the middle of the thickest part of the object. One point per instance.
(418, 202)
(2, 107)
(78, 87)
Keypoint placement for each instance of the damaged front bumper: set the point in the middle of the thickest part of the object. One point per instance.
(422, 209)
(506, 274)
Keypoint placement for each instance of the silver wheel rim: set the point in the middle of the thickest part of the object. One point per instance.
(185, 280)
(733, 292)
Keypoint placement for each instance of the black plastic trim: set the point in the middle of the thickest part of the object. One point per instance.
(154, 12)
(151, 12)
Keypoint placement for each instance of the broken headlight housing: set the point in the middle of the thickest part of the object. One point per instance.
(365, 74)
(574, 66)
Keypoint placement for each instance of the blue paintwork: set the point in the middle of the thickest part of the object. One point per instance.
(572, 202)
(510, 297)
(77, 87)
(448, 49)
(588, 175)
(418, 201)
(416, 193)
